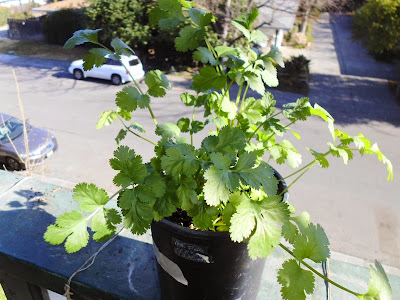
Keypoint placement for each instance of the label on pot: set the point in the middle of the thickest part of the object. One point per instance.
(191, 252)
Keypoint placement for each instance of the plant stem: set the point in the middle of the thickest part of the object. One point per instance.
(319, 274)
(191, 133)
(238, 95)
(243, 98)
(301, 175)
(134, 133)
(298, 171)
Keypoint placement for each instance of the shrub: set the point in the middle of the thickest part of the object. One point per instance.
(378, 23)
(4, 14)
(60, 25)
(294, 77)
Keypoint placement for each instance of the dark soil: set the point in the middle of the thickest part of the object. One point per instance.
(181, 218)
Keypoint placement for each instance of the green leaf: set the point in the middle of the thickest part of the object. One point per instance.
(90, 197)
(95, 58)
(245, 21)
(137, 127)
(312, 244)
(189, 38)
(208, 78)
(205, 56)
(270, 75)
(106, 118)
(196, 126)
(180, 160)
(252, 110)
(379, 286)
(200, 17)
(121, 136)
(257, 36)
(130, 99)
(321, 112)
(82, 36)
(71, 226)
(168, 130)
(227, 139)
(289, 232)
(132, 170)
(204, 216)
(296, 282)
(341, 151)
(261, 221)
(276, 55)
(157, 82)
(300, 110)
(188, 99)
(102, 224)
(260, 176)
(183, 124)
(138, 215)
(322, 161)
(215, 188)
(255, 82)
(225, 51)
(186, 193)
(121, 48)
(156, 184)
(229, 107)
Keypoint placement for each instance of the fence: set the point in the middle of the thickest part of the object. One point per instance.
(28, 29)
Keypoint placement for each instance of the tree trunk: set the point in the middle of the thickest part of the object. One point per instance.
(303, 27)
(226, 19)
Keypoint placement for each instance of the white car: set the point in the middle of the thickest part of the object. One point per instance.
(111, 70)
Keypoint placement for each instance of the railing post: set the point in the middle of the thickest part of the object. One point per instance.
(17, 289)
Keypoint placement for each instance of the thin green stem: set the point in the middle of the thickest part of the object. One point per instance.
(298, 171)
(243, 98)
(191, 132)
(321, 275)
(301, 175)
(134, 133)
(238, 95)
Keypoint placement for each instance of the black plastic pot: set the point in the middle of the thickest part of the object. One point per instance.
(195, 264)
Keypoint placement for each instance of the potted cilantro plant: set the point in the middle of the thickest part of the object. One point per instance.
(216, 210)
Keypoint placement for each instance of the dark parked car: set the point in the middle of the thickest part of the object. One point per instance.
(41, 143)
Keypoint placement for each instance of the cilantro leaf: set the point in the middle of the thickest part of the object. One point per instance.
(289, 232)
(183, 124)
(322, 161)
(227, 139)
(82, 36)
(121, 48)
(132, 170)
(252, 110)
(205, 56)
(103, 224)
(270, 75)
(312, 244)
(106, 118)
(260, 176)
(94, 58)
(180, 160)
(186, 193)
(215, 188)
(284, 151)
(138, 215)
(189, 38)
(255, 82)
(203, 215)
(200, 17)
(261, 221)
(90, 197)
(208, 78)
(71, 226)
(157, 82)
(168, 130)
(121, 136)
(130, 99)
(295, 281)
(299, 110)
(379, 287)
(196, 126)
(225, 51)
(275, 55)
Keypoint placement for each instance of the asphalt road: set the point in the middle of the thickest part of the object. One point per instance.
(358, 208)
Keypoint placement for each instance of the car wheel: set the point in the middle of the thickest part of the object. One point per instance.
(116, 79)
(12, 164)
(78, 74)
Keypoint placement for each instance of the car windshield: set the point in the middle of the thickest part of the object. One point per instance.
(12, 129)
